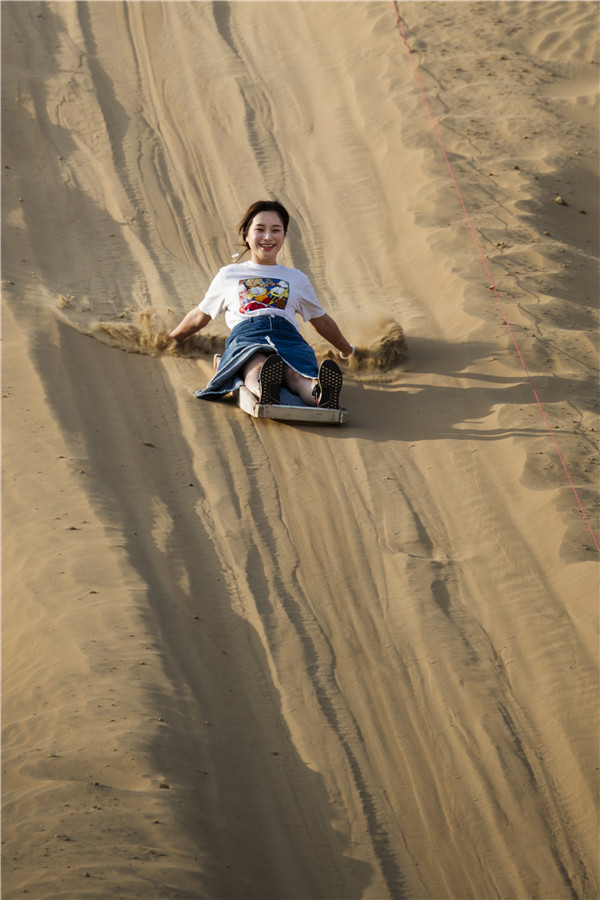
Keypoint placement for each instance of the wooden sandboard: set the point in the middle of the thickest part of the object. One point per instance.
(291, 409)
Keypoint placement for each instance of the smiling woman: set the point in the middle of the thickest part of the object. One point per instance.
(261, 300)
(263, 230)
(265, 238)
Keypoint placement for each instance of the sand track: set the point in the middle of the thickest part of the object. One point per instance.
(243, 659)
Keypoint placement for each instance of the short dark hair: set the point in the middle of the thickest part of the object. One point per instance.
(263, 206)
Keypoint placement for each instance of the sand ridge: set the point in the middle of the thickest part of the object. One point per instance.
(251, 660)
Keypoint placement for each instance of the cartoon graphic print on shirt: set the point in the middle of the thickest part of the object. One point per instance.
(262, 293)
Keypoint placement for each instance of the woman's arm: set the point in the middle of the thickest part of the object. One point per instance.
(190, 324)
(329, 329)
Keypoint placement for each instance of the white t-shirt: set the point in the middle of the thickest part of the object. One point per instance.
(248, 289)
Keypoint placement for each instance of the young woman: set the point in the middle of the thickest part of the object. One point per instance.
(261, 299)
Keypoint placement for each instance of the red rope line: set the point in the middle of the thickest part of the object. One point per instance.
(486, 267)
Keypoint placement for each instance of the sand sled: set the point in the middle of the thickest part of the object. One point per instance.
(291, 409)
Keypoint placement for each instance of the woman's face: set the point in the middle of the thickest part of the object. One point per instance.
(265, 238)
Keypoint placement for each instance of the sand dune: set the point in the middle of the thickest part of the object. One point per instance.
(244, 659)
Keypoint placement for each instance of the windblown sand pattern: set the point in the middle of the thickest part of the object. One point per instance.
(255, 660)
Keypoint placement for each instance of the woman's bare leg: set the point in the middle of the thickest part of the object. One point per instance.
(251, 372)
(300, 385)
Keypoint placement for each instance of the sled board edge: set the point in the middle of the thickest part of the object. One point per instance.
(248, 402)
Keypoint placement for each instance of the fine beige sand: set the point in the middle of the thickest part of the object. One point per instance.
(248, 659)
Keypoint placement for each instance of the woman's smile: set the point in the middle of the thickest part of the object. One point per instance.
(265, 238)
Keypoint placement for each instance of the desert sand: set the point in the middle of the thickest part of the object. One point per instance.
(249, 659)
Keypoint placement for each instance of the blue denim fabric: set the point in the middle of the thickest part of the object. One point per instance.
(260, 334)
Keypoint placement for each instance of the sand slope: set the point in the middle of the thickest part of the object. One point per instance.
(251, 660)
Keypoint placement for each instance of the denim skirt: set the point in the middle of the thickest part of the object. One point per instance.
(260, 334)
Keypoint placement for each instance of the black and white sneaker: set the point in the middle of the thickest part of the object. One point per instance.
(327, 391)
(270, 378)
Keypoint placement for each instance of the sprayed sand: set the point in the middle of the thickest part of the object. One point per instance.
(251, 660)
